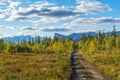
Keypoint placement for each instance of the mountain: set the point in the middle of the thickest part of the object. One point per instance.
(118, 32)
(77, 36)
(61, 36)
(16, 39)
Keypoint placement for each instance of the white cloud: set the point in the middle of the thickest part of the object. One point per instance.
(41, 4)
(2, 13)
(10, 31)
(36, 13)
(42, 12)
(45, 12)
(108, 20)
(29, 28)
(14, 4)
(2, 3)
(47, 20)
(92, 22)
(7, 8)
(91, 7)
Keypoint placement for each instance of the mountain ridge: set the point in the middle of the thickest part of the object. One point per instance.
(75, 36)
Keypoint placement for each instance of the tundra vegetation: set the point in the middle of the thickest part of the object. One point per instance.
(35, 59)
(103, 51)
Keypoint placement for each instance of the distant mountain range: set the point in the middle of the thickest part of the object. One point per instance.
(75, 36)
(17, 39)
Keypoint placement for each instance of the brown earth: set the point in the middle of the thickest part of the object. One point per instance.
(82, 70)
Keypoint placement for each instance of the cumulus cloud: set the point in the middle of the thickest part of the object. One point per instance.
(13, 4)
(47, 20)
(91, 7)
(2, 13)
(29, 28)
(46, 12)
(42, 12)
(69, 26)
(2, 3)
(6, 8)
(9, 31)
(92, 21)
(47, 29)
(24, 14)
(56, 29)
(41, 4)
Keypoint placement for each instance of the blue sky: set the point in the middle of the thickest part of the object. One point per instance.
(46, 17)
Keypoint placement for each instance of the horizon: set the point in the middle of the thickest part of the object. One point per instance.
(46, 17)
(67, 35)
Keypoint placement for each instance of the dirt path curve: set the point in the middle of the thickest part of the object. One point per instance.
(82, 70)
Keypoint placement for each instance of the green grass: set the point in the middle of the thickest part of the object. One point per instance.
(34, 67)
(108, 62)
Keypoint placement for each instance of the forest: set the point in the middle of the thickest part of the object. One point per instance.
(36, 46)
(50, 58)
(103, 51)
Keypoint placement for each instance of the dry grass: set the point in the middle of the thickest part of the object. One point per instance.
(108, 62)
(34, 67)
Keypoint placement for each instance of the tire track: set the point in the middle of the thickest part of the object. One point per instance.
(82, 70)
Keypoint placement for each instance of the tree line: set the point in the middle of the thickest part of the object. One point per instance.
(48, 45)
(89, 44)
(101, 42)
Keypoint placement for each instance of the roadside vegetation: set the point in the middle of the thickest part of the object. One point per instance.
(36, 60)
(103, 51)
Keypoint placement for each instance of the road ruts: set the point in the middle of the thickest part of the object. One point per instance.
(82, 70)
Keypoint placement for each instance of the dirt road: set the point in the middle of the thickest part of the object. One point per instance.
(82, 70)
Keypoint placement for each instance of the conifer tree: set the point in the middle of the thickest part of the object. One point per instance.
(2, 45)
